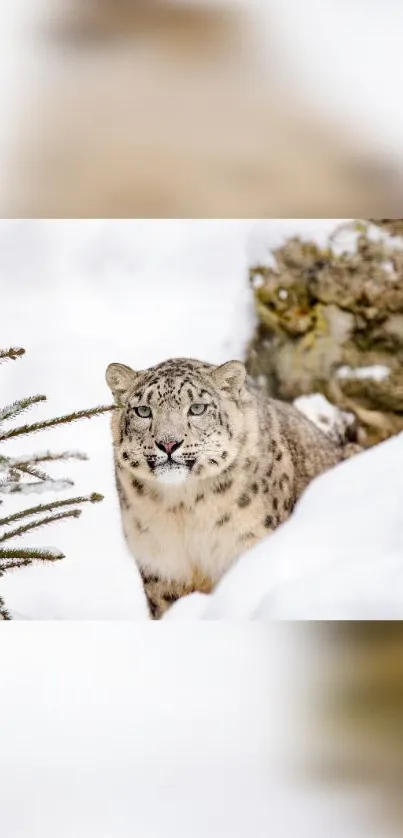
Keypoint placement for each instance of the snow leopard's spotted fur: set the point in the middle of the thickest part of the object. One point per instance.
(235, 477)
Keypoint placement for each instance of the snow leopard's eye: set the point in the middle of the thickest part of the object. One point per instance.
(143, 411)
(197, 409)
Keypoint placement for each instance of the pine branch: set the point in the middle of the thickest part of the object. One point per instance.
(35, 488)
(33, 525)
(12, 465)
(46, 554)
(13, 470)
(11, 354)
(11, 564)
(46, 457)
(11, 475)
(14, 409)
(31, 471)
(50, 423)
(47, 507)
(4, 614)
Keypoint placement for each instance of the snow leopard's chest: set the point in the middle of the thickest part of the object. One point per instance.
(176, 540)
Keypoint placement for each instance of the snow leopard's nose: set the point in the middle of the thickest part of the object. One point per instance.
(169, 445)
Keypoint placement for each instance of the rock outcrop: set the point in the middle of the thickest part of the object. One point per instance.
(331, 322)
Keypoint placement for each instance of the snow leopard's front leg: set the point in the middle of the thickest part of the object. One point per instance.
(162, 593)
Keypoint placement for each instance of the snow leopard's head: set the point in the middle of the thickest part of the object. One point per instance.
(180, 419)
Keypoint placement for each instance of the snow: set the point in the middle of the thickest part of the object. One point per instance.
(257, 280)
(271, 234)
(389, 267)
(338, 235)
(42, 458)
(345, 239)
(35, 488)
(378, 372)
(339, 556)
(329, 418)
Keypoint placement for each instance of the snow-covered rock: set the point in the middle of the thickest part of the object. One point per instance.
(329, 418)
(378, 372)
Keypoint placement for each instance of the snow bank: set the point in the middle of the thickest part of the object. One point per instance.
(340, 556)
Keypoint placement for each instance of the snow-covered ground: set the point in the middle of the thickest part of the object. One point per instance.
(78, 295)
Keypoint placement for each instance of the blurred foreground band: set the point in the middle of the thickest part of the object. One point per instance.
(204, 733)
(177, 108)
(360, 672)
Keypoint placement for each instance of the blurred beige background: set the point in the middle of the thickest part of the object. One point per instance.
(174, 108)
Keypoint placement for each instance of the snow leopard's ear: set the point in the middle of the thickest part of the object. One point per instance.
(230, 377)
(121, 380)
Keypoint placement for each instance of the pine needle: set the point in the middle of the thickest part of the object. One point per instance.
(33, 525)
(47, 507)
(11, 354)
(36, 554)
(4, 614)
(47, 456)
(14, 472)
(51, 423)
(14, 409)
(32, 471)
(11, 564)
(12, 465)
(35, 488)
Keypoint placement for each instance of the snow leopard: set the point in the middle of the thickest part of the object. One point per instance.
(206, 465)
